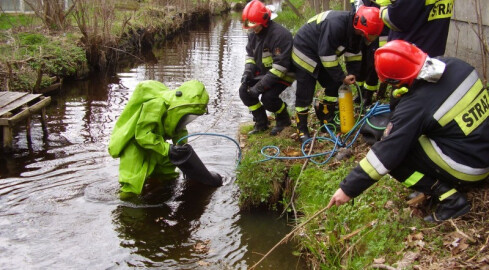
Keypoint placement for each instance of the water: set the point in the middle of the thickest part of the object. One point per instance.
(58, 196)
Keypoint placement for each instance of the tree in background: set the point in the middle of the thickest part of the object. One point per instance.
(53, 13)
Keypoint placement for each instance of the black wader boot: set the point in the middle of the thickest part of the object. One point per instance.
(451, 204)
(325, 112)
(282, 121)
(302, 129)
(261, 120)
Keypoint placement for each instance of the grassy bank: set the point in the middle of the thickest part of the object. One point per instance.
(93, 36)
(380, 229)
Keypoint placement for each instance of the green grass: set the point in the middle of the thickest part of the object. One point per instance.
(8, 21)
(351, 236)
(289, 19)
(55, 56)
(267, 176)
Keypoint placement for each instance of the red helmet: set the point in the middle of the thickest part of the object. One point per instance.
(398, 62)
(255, 13)
(367, 20)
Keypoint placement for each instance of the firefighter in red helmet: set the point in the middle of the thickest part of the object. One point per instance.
(267, 68)
(438, 135)
(317, 46)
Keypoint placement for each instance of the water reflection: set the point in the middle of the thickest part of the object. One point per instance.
(162, 227)
(58, 198)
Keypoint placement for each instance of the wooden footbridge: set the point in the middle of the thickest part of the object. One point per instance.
(18, 107)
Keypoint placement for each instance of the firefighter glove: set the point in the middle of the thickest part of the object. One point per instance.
(247, 77)
(257, 89)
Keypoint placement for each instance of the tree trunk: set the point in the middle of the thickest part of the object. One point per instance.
(294, 9)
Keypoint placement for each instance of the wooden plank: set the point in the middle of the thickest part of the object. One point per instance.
(19, 116)
(18, 103)
(7, 137)
(26, 112)
(2, 93)
(10, 96)
(34, 108)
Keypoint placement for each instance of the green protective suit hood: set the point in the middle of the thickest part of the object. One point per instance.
(149, 119)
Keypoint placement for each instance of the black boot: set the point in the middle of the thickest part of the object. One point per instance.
(325, 112)
(367, 97)
(282, 121)
(261, 121)
(381, 91)
(302, 129)
(451, 204)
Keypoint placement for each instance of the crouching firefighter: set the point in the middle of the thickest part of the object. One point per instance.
(153, 115)
(267, 68)
(438, 136)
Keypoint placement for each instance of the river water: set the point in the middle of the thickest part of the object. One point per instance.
(59, 207)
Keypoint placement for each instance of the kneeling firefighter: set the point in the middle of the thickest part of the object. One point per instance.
(267, 68)
(437, 139)
(153, 115)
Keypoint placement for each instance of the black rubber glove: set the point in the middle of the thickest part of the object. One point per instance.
(247, 77)
(178, 153)
(256, 90)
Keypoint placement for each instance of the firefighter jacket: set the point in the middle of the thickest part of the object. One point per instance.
(268, 54)
(323, 39)
(149, 119)
(422, 22)
(446, 121)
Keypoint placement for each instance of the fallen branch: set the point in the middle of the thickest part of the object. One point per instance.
(462, 233)
(358, 240)
(311, 146)
(383, 266)
(355, 232)
(119, 50)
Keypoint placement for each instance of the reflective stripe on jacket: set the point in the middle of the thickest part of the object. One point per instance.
(447, 120)
(270, 53)
(422, 22)
(323, 40)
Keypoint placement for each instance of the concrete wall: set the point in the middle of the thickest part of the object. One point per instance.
(463, 41)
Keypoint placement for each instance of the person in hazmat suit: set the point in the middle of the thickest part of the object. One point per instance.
(153, 115)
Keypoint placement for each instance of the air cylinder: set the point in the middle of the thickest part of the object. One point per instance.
(345, 104)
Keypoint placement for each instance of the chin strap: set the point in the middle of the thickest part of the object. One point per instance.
(397, 93)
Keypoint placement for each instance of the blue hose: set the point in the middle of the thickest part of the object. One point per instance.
(339, 141)
(217, 135)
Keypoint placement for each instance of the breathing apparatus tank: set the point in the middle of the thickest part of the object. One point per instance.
(345, 104)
